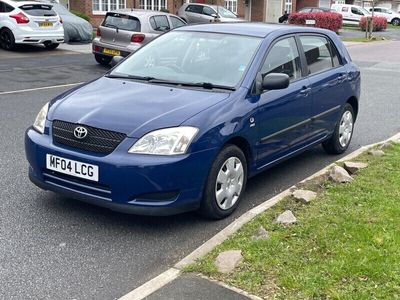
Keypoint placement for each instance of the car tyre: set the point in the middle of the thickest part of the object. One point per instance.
(51, 46)
(396, 22)
(227, 179)
(341, 137)
(103, 60)
(7, 39)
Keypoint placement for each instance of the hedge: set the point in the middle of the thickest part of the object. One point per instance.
(328, 20)
(379, 23)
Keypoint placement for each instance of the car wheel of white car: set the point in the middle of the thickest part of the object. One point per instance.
(51, 46)
(7, 40)
(396, 22)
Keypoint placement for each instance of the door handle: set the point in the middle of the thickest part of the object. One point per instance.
(305, 91)
(342, 77)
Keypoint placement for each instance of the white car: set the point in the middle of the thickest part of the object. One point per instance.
(29, 22)
(352, 14)
(390, 15)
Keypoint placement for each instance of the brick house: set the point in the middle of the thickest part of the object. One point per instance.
(252, 10)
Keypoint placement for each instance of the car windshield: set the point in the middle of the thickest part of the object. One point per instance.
(225, 13)
(192, 57)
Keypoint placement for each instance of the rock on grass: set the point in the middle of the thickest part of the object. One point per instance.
(354, 167)
(227, 261)
(286, 218)
(339, 175)
(304, 196)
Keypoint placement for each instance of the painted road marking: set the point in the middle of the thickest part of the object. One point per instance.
(41, 88)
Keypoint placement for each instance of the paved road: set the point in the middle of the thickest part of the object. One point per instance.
(56, 248)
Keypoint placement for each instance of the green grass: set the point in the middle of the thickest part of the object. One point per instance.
(364, 40)
(346, 244)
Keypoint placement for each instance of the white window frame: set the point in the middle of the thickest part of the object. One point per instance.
(149, 5)
(288, 6)
(103, 10)
(230, 4)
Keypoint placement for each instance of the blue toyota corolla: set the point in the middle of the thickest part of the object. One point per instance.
(183, 123)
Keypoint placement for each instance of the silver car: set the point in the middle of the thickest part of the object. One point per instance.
(194, 13)
(124, 31)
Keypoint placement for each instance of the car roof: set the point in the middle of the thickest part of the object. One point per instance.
(20, 3)
(250, 28)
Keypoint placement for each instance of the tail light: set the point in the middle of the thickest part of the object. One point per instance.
(20, 18)
(137, 38)
(98, 32)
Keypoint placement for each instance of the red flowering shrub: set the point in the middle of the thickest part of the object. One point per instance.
(327, 20)
(379, 23)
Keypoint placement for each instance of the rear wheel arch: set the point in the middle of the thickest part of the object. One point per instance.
(354, 103)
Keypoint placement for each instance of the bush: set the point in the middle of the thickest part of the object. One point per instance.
(379, 23)
(164, 10)
(81, 15)
(328, 20)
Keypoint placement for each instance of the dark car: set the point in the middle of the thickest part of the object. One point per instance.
(183, 122)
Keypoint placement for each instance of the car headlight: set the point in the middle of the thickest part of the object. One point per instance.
(41, 119)
(168, 141)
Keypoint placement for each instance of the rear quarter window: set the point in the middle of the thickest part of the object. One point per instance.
(5, 8)
(121, 21)
(159, 23)
(38, 10)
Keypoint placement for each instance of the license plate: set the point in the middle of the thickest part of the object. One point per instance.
(45, 24)
(72, 167)
(111, 52)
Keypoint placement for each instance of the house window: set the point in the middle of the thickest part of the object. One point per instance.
(325, 3)
(231, 5)
(288, 6)
(107, 5)
(153, 4)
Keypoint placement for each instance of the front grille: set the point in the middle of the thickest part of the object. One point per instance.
(96, 140)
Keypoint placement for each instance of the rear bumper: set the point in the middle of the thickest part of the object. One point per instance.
(28, 35)
(99, 46)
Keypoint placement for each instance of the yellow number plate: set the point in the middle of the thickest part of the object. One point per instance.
(112, 52)
(45, 24)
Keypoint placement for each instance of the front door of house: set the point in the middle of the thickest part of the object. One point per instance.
(274, 10)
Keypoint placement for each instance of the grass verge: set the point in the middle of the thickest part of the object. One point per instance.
(364, 40)
(344, 246)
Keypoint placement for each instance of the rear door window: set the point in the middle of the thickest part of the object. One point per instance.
(121, 21)
(159, 23)
(320, 54)
(38, 10)
(198, 9)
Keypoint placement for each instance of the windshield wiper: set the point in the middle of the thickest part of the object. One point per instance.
(210, 86)
(204, 85)
(125, 76)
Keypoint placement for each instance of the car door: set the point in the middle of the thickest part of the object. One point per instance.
(282, 115)
(194, 13)
(208, 15)
(356, 14)
(328, 77)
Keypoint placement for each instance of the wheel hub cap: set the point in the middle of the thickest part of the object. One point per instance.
(345, 128)
(229, 183)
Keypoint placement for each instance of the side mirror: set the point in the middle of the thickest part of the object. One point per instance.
(116, 60)
(275, 81)
(215, 16)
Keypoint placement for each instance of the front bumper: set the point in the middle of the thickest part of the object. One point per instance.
(128, 183)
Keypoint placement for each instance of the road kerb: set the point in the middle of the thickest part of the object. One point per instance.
(171, 274)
